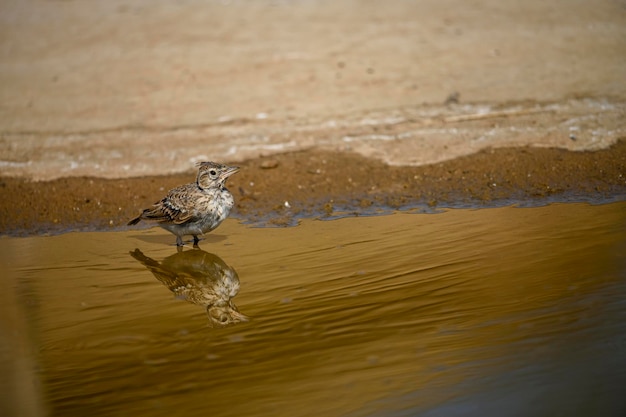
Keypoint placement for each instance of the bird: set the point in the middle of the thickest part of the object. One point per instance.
(200, 278)
(195, 208)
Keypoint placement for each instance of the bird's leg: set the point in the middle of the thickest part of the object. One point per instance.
(179, 241)
(195, 241)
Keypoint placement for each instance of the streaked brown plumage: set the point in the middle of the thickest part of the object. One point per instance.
(196, 208)
(200, 278)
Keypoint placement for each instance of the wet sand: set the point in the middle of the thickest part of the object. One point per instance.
(279, 189)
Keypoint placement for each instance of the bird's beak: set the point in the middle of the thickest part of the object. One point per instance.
(229, 171)
(237, 316)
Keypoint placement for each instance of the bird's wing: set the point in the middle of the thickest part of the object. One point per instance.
(176, 207)
(182, 284)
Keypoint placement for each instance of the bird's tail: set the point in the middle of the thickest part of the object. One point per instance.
(135, 220)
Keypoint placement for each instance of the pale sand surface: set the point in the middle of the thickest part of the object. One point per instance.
(119, 89)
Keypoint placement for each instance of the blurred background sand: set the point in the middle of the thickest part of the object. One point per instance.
(121, 89)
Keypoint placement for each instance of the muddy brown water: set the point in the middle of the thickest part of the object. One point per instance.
(504, 311)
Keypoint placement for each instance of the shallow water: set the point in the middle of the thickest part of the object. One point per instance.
(506, 311)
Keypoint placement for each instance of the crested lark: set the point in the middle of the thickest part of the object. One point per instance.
(195, 208)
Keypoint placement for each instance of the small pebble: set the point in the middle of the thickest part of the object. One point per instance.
(269, 164)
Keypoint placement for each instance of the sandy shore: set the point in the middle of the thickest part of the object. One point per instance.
(328, 106)
(279, 189)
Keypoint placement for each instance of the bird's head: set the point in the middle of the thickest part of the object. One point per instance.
(212, 174)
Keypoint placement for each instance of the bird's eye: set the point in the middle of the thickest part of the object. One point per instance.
(213, 172)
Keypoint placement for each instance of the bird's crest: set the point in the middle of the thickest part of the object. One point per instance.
(207, 164)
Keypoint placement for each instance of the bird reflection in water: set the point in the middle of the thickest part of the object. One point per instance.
(201, 278)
